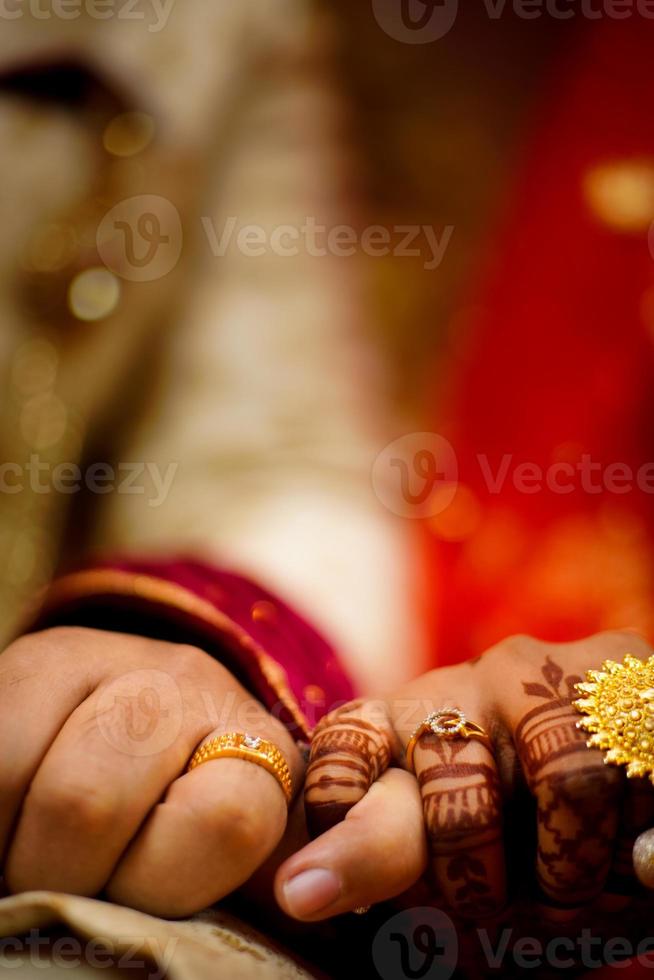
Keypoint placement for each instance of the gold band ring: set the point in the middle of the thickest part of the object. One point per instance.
(250, 748)
(450, 724)
(618, 704)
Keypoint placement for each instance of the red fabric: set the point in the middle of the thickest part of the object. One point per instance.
(559, 365)
(281, 658)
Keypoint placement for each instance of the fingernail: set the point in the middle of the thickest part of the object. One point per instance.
(311, 891)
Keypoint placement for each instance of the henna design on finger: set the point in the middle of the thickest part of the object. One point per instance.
(577, 813)
(577, 797)
(463, 815)
(556, 686)
(358, 751)
(545, 734)
(348, 754)
(549, 732)
(473, 895)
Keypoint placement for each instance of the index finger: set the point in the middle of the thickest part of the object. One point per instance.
(351, 748)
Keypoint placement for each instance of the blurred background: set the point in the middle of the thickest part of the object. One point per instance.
(264, 266)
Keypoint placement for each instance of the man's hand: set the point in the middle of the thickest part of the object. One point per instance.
(96, 730)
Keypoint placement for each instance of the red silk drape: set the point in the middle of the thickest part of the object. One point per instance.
(560, 371)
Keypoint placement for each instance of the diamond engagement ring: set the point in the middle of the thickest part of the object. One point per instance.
(450, 724)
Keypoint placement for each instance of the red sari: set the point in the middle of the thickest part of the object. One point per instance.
(559, 376)
(552, 410)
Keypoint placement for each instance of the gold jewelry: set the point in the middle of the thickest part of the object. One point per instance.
(251, 748)
(618, 705)
(362, 909)
(450, 724)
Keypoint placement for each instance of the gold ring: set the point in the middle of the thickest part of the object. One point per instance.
(251, 748)
(618, 705)
(450, 724)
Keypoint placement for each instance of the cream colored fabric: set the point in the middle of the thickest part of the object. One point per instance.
(269, 391)
(263, 377)
(212, 945)
(60, 380)
(274, 401)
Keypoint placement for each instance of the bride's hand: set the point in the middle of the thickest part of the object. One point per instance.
(96, 731)
(471, 809)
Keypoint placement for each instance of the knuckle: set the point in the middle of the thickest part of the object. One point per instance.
(619, 642)
(188, 659)
(335, 717)
(584, 790)
(446, 830)
(30, 657)
(198, 671)
(55, 641)
(244, 826)
(240, 825)
(85, 807)
(519, 646)
(248, 835)
(56, 638)
(325, 743)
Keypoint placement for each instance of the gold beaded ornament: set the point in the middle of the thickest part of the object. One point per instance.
(618, 709)
(251, 748)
